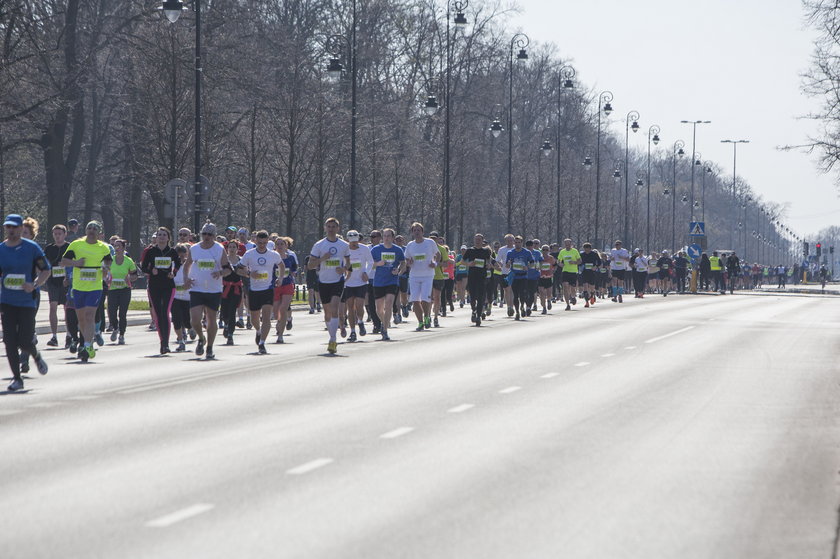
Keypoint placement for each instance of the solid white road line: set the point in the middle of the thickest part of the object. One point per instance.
(658, 338)
(582, 364)
(608, 355)
(178, 516)
(460, 409)
(510, 389)
(549, 375)
(630, 347)
(309, 466)
(397, 433)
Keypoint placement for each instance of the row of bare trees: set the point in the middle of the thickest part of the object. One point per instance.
(96, 116)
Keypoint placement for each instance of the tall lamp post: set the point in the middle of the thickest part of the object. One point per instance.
(653, 136)
(460, 21)
(707, 171)
(565, 76)
(334, 71)
(619, 165)
(678, 152)
(546, 149)
(631, 123)
(605, 104)
(172, 10)
(520, 41)
(734, 163)
(694, 124)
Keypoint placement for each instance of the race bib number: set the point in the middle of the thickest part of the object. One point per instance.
(567, 257)
(545, 266)
(389, 258)
(462, 268)
(588, 266)
(262, 276)
(332, 263)
(489, 274)
(619, 265)
(180, 288)
(163, 262)
(665, 266)
(420, 258)
(118, 283)
(58, 272)
(14, 282)
(206, 265)
(518, 266)
(88, 275)
(479, 262)
(355, 266)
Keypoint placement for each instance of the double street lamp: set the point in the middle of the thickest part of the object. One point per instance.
(653, 137)
(565, 77)
(605, 105)
(734, 163)
(631, 123)
(172, 9)
(520, 41)
(678, 152)
(694, 124)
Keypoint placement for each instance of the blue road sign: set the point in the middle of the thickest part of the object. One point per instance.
(697, 228)
(694, 251)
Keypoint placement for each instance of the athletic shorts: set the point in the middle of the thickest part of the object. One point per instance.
(421, 288)
(438, 284)
(330, 290)
(570, 278)
(57, 293)
(82, 299)
(288, 289)
(459, 277)
(311, 279)
(588, 276)
(359, 292)
(546, 283)
(618, 274)
(403, 284)
(383, 290)
(258, 299)
(209, 300)
(503, 280)
(664, 275)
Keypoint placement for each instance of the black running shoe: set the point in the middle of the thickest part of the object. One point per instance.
(199, 347)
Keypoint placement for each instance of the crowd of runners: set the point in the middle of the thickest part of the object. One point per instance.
(199, 284)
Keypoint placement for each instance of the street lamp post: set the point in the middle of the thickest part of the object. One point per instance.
(653, 136)
(618, 165)
(604, 103)
(546, 149)
(172, 10)
(631, 123)
(678, 152)
(565, 76)
(460, 21)
(694, 124)
(708, 171)
(521, 41)
(734, 163)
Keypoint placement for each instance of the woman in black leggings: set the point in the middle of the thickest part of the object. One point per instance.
(123, 273)
(161, 263)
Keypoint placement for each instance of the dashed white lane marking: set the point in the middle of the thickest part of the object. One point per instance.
(608, 355)
(83, 397)
(396, 433)
(44, 405)
(510, 389)
(549, 375)
(309, 466)
(179, 516)
(460, 409)
(4, 413)
(658, 338)
(630, 347)
(582, 364)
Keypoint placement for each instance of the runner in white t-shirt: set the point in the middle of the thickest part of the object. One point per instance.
(501, 258)
(422, 255)
(619, 263)
(331, 256)
(259, 264)
(356, 283)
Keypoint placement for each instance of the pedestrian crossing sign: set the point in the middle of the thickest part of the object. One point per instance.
(697, 229)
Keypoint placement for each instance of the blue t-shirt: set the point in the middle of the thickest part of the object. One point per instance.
(392, 257)
(519, 261)
(19, 265)
(291, 264)
(534, 273)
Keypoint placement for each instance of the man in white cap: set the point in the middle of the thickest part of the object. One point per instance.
(331, 256)
(356, 283)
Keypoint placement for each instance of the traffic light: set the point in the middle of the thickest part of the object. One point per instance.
(819, 250)
(807, 246)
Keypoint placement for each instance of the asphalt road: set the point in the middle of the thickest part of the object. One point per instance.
(686, 427)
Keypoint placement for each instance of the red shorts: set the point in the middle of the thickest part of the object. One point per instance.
(288, 289)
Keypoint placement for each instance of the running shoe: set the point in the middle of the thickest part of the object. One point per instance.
(574, 300)
(478, 321)
(199, 347)
(280, 338)
(472, 318)
(16, 385)
(443, 310)
(67, 342)
(398, 318)
(210, 355)
(240, 324)
(318, 307)
(24, 367)
(517, 316)
(421, 327)
(41, 364)
(74, 346)
(121, 340)
(262, 349)
(181, 347)
(462, 305)
(451, 306)
(568, 307)
(192, 334)
(83, 355)
(405, 311)
(311, 310)
(385, 337)
(586, 306)
(164, 349)
(257, 339)
(91, 351)
(152, 327)
(549, 304)
(53, 342)
(229, 340)
(545, 311)
(510, 311)
(332, 347)
(427, 322)
(99, 340)
(363, 331)
(114, 335)
(289, 324)
(620, 300)
(437, 324)
(352, 337)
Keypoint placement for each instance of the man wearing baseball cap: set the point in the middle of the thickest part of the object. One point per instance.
(19, 258)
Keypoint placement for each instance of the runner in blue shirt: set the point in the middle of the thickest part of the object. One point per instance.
(519, 259)
(24, 269)
(533, 277)
(388, 261)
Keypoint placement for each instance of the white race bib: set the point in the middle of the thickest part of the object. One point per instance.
(58, 272)
(262, 276)
(479, 262)
(163, 262)
(118, 283)
(206, 265)
(14, 282)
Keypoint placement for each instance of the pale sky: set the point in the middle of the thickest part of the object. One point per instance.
(735, 62)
